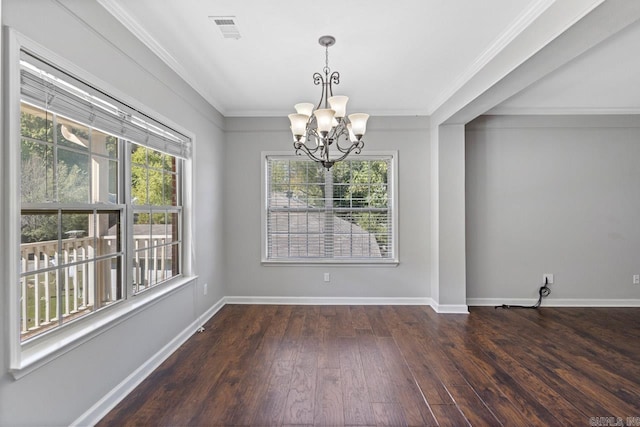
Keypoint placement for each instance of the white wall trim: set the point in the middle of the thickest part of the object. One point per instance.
(449, 308)
(327, 300)
(559, 302)
(156, 47)
(278, 124)
(562, 111)
(574, 121)
(519, 25)
(117, 394)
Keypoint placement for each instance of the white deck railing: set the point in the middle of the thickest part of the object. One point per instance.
(153, 261)
(41, 293)
(42, 285)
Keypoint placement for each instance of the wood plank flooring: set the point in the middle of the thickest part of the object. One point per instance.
(397, 366)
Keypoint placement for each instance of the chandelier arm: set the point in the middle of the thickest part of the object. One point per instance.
(301, 147)
(333, 135)
(311, 134)
(355, 147)
(341, 131)
(324, 157)
(310, 149)
(298, 145)
(334, 78)
(319, 79)
(340, 147)
(344, 149)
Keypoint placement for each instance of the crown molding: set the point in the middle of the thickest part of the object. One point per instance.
(560, 111)
(284, 113)
(532, 47)
(132, 24)
(517, 27)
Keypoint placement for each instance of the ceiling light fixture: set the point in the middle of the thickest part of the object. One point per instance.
(315, 131)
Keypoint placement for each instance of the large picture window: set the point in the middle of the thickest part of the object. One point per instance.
(345, 214)
(101, 206)
(70, 266)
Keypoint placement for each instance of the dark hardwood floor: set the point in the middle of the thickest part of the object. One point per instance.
(397, 366)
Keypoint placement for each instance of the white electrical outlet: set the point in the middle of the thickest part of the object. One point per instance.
(547, 278)
(327, 277)
(636, 279)
(205, 288)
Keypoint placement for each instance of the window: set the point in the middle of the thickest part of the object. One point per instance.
(69, 266)
(156, 216)
(346, 214)
(101, 206)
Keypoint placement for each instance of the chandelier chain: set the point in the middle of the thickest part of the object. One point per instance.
(326, 69)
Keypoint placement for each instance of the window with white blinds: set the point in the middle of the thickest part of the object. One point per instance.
(45, 86)
(101, 194)
(345, 214)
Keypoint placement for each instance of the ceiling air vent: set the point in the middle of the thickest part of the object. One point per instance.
(227, 25)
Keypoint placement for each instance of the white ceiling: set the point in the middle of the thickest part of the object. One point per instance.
(402, 60)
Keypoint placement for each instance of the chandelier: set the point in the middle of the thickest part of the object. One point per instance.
(314, 132)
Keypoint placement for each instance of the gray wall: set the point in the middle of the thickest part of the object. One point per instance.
(246, 138)
(553, 195)
(61, 391)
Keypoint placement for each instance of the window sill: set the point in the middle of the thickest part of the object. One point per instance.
(331, 262)
(41, 351)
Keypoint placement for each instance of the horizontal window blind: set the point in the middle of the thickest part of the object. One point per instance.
(51, 89)
(345, 213)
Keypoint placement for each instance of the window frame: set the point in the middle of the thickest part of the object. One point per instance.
(25, 357)
(392, 184)
(150, 209)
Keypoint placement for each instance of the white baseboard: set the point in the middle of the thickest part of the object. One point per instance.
(450, 308)
(438, 308)
(555, 302)
(327, 300)
(117, 394)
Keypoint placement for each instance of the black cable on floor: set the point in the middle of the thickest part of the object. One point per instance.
(542, 292)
